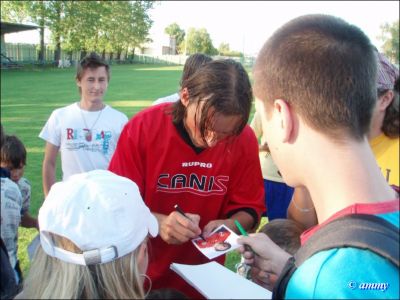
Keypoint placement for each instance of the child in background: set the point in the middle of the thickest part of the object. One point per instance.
(15, 199)
(285, 233)
(13, 158)
(10, 194)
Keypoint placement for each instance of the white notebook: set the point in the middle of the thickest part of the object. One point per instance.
(215, 281)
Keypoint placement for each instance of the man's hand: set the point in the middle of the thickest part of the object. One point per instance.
(267, 259)
(177, 229)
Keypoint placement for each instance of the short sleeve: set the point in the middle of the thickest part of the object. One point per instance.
(51, 131)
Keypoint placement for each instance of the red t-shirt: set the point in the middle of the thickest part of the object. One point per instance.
(378, 208)
(168, 171)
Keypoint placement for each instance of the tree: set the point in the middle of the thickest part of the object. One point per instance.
(390, 38)
(13, 11)
(174, 31)
(112, 26)
(223, 49)
(140, 24)
(198, 40)
(43, 13)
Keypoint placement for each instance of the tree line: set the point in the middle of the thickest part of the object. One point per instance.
(197, 40)
(118, 27)
(103, 26)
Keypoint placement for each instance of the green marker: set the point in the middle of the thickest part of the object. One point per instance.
(241, 229)
(244, 233)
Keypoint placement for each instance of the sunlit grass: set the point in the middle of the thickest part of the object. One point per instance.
(174, 68)
(130, 103)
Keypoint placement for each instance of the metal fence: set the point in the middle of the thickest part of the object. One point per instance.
(29, 53)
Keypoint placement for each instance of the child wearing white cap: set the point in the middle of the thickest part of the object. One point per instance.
(93, 234)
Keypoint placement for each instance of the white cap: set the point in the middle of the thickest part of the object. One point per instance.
(100, 212)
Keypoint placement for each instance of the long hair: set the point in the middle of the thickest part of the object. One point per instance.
(224, 87)
(50, 277)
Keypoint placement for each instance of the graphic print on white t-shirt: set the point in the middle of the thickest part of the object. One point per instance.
(88, 140)
(83, 149)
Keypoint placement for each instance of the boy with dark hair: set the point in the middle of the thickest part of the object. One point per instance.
(315, 85)
(9, 284)
(15, 199)
(85, 132)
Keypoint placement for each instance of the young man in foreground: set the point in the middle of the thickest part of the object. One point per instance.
(315, 86)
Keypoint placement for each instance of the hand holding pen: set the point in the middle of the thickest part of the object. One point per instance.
(177, 229)
(265, 257)
(178, 209)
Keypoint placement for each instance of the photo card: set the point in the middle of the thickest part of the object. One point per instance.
(220, 241)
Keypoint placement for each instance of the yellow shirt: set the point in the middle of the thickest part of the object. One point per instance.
(386, 151)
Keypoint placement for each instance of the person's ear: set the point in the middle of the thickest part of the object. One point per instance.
(78, 82)
(185, 97)
(284, 117)
(142, 257)
(385, 100)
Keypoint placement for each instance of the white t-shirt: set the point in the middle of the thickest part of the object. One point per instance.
(171, 98)
(84, 149)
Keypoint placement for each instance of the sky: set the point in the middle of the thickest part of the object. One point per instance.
(246, 25)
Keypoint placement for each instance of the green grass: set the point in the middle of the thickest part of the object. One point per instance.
(28, 97)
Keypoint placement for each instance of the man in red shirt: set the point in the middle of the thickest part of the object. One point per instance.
(198, 153)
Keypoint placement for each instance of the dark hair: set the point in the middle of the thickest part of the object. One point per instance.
(13, 152)
(285, 233)
(224, 87)
(91, 61)
(391, 121)
(193, 63)
(325, 69)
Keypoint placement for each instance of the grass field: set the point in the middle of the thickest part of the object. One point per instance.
(29, 96)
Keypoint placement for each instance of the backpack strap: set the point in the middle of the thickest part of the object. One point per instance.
(357, 231)
(361, 231)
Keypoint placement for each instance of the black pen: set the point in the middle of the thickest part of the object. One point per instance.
(179, 210)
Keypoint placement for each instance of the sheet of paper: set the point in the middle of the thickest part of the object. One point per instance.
(215, 281)
(220, 241)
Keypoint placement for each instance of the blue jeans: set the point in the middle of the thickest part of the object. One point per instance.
(277, 199)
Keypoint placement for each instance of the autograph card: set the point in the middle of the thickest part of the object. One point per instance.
(220, 241)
